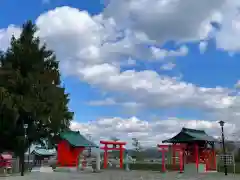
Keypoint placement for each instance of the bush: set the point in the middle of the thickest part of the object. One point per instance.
(147, 167)
(230, 169)
(169, 167)
(152, 166)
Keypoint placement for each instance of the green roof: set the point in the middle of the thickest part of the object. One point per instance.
(190, 135)
(76, 139)
(44, 152)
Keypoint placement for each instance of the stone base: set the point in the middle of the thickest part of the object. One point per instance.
(66, 169)
(190, 169)
(46, 169)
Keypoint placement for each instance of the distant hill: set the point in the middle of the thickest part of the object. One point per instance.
(153, 153)
(231, 146)
(146, 153)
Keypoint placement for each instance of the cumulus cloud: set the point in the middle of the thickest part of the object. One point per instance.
(149, 133)
(6, 35)
(168, 66)
(94, 48)
(227, 37)
(113, 102)
(87, 50)
(203, 46)
(178, 20)
(159, 53)
(89, 46)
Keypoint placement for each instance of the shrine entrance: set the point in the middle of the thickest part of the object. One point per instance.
(116, 145)
(177, 153)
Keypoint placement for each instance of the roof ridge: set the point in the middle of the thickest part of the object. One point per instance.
(193, 130)
(75, 138)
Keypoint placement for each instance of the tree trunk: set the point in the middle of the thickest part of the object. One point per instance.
(22, 163)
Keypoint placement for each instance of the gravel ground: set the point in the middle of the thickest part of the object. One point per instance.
(121, 175)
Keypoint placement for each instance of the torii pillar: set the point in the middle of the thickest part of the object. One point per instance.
(106, 148)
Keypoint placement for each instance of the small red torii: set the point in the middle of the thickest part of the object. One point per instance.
(106, 148)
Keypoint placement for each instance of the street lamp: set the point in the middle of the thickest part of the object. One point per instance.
(25, 126)
(89, 137)
(26, 138)
(223, 146)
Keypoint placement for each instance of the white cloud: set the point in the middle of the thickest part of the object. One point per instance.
(149, 133)
(178, 20)
(91, 48)
(75, 35)
(85, 46)
(203, 46)
(113, 102)
(6, 35)
(159, 53)
(105, 102)
(152, 89)
(168, 66)
(94, 48)
(227, 37)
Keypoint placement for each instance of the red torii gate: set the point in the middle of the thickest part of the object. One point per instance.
(106, 148)
(175, 148)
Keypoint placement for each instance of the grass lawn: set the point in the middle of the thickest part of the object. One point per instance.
(158, 167)
(231, 168)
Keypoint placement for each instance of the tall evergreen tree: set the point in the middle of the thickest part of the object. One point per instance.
(30, 93)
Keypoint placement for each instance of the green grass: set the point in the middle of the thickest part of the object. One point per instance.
(158, 167)
(146, 166)
(230, 168)
(150, 166)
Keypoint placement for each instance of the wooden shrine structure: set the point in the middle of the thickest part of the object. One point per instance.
(193, 147)
(164, 149)
(116, 145)
(69, 148)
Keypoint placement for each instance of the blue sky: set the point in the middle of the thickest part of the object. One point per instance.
(122, 81)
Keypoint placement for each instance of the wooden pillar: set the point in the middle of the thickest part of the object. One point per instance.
(196, 155)
(163, 149)
(163, 161)
(214, 157)
(174, 155)
(105, 157)
(181, 160)
(121, 156)
(169, 155)
(84, 162)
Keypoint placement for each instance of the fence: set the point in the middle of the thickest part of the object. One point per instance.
(230, 161)
(16, 164)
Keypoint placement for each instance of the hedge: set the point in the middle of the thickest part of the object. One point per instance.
(146, 166)
(230, 169)
(152, 166)
(169, 167)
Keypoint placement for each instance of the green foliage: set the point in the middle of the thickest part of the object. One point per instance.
(147, 167)
(138, 149)
(152, 166)
(136, 144)
(114, 139)
(30, 92)
(237, 156)
(230, 168)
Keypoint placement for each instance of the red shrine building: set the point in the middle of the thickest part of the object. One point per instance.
(69, 148)
(194, 149)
